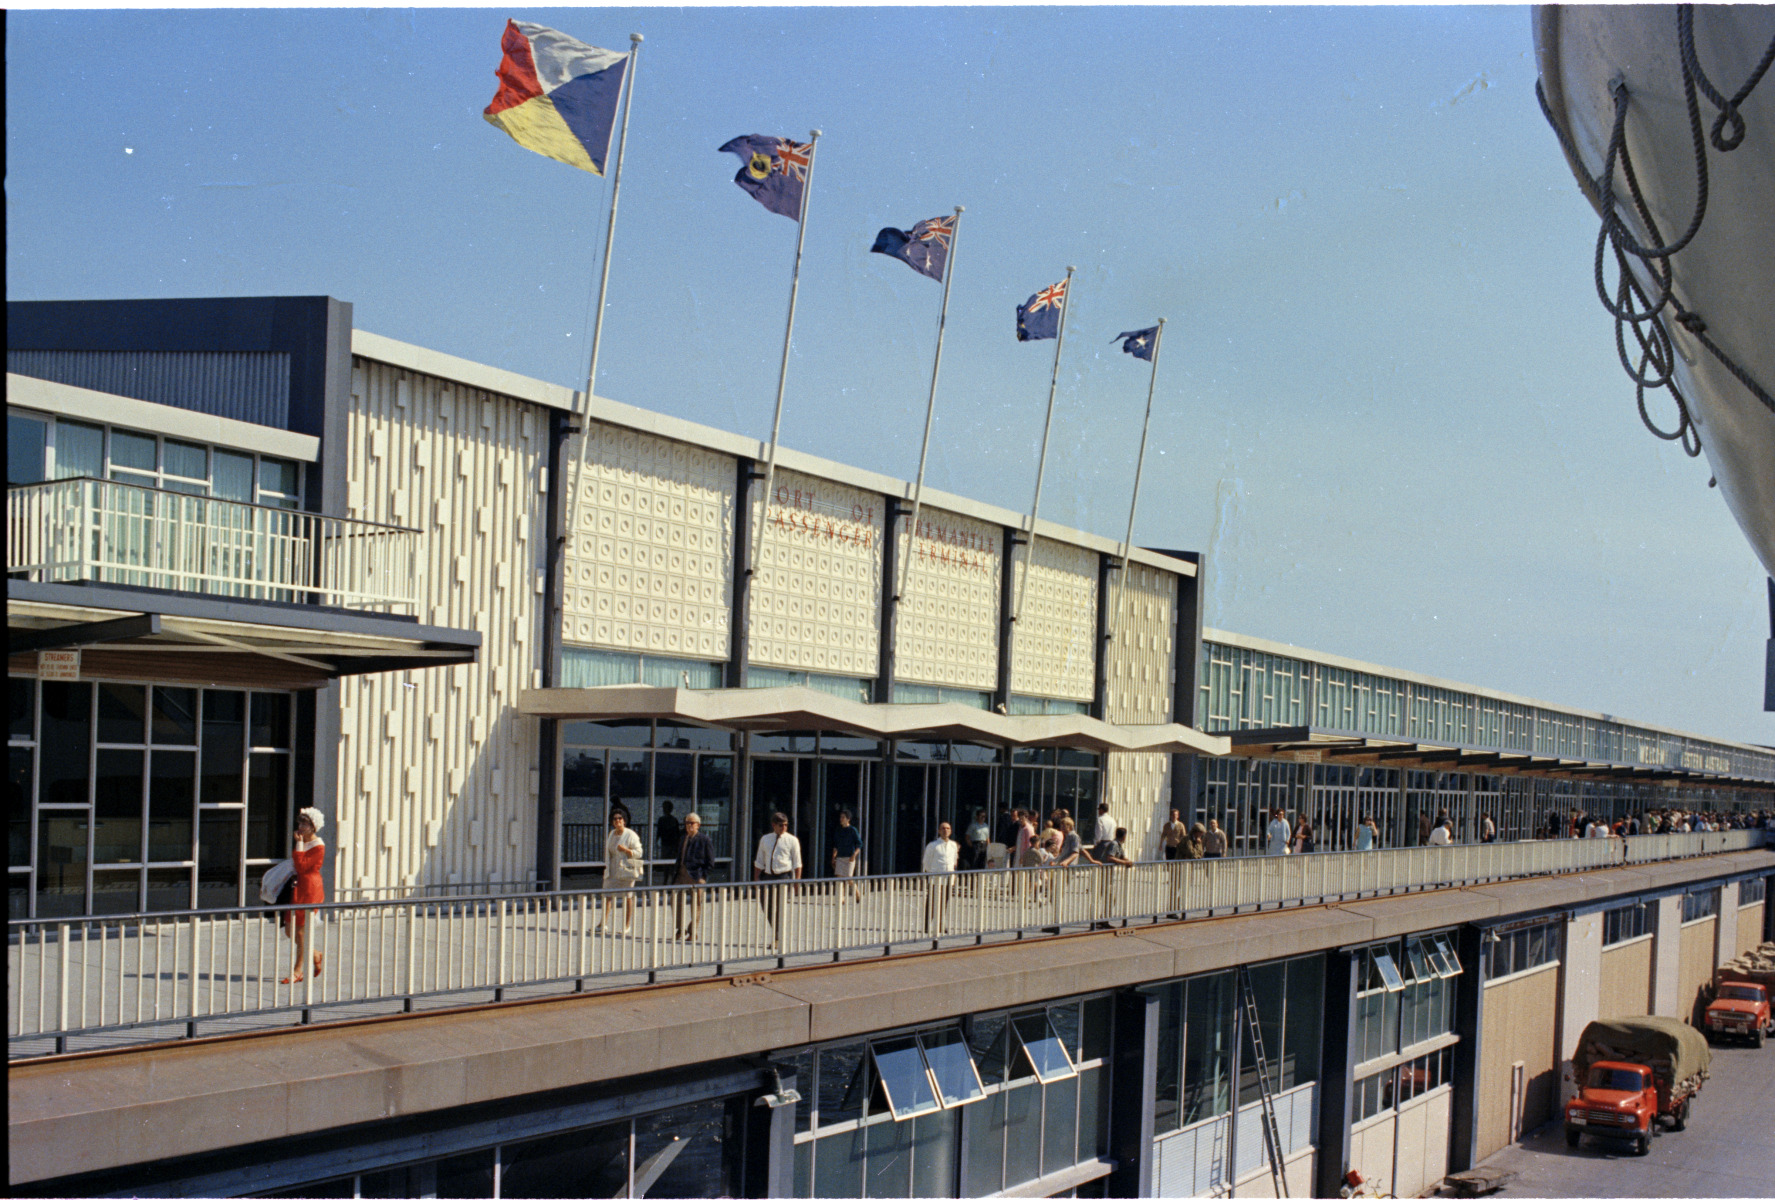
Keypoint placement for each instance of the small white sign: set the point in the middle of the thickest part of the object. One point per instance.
(58, 664)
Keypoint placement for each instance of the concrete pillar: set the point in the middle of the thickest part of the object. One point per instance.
(1463, 1132)
(1337, 1068)
(1725, 930)
(1580, 991)
(1667, 957)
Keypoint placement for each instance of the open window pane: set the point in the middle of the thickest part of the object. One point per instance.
(952, 1067)
(1450, 964)
(1389, 971)
(1044, 1051)
(900, 1064)
(1418, 963)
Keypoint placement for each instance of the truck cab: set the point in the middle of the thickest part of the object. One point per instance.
(1618, 1100)
(1739, 1010)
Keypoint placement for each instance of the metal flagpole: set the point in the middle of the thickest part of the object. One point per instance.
(1042, 462)
(610, 231)
(776, 424)
(1115, 615)
(930, 411)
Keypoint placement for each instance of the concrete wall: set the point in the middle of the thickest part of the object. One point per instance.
(437, 771)
(1667, 957)
(1138, 663)
(1054, 651)
(946, 632)
(816, 595)
(1695, 971)
(649, 554)
(1297, 1173)
(1626, 980)
(1725, 934)
(1580, 989)
(1750, 928)
(1518, 1029)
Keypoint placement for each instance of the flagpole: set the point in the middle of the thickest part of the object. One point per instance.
(776, 424)
(1115, 615)
(1042, 462)
(930, 411)
(610, 230)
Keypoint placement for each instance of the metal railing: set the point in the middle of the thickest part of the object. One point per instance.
(81, 529)
(82, 983)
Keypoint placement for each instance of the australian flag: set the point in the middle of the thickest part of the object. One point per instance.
(1140, 343)
(924, 247)
(1039, 316)
(775, 171)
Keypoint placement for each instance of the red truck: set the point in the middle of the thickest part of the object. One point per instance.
(1740, 1006)
(1635, 1073)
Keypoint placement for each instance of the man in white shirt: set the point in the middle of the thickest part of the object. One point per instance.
(1278, 833)
(1488, 829)
(1106, 828)
(940, 857)
(778, 857)
(1442, 835)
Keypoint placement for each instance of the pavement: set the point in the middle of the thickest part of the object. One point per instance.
(1728, 1148)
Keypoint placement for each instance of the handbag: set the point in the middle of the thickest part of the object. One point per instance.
(278, 877)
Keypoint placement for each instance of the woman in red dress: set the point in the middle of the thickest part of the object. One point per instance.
(309, 854)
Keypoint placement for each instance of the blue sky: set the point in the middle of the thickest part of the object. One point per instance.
(1388, 406)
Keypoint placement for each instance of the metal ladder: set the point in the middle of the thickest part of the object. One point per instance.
(1272, 1134)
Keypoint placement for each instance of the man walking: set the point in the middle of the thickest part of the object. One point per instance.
(1171, 836)
(1106, 828)
(844, 853)
(778, 857)
(940, 858)
(696, 858)
(1278, 833)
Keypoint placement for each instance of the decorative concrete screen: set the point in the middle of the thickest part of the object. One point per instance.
(948, 621)
(816, 596)
(1139, 659)
(1053, 648)
(650, 557)
(437, 779)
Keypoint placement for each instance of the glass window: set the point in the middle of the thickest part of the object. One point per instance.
(224, 737)
(952, 1067)
(1388, 971)
(279, 482)
(131, 453)
(1169, 1069)
(1208, 1047)
(233, 479)
(584, 1162)
(187, 466)
(18, 809)
(989, 1039)
(123, 709)
(466, 1175)
(175, 716)
(218, 859)
(117, 807)
(24, 704)
(1042, 1050)
(27, 443)
(1448, 962)
(271, 719)
(267, 787)
(64, 744)
(903, 1078)
(61, 862)
(80, 450)
(172, 800)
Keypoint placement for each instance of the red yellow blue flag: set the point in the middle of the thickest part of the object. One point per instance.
(557, 96)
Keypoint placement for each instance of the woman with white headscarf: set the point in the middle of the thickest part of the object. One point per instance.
(310, 852)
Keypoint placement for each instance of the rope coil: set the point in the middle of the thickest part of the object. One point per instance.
(1630, 305)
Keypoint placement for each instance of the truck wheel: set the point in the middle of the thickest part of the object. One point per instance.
(1642, 1145)
(1571, 1137)
(1760, 1038)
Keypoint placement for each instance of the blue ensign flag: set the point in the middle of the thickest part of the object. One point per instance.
(1139, 343)
(1039, 316)
(775, 171)
(924, 247)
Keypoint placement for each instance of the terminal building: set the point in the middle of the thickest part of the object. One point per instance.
(260, 560)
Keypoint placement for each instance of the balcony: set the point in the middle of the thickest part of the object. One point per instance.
(101, 531)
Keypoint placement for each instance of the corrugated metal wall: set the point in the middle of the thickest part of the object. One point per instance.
(437, 769)
(246, 386)
(948, 622)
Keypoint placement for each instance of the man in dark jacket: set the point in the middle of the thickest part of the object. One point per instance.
(696, 858)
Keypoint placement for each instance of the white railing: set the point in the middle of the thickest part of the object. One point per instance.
(81, 983)
(100, 530)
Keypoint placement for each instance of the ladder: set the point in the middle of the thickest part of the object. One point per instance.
(1272, 1134)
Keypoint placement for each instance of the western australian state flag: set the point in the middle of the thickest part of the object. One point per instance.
(1039, 316)
(924, 247)
(1140, 342)
(775, 171)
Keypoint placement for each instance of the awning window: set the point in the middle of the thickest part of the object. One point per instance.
(1043, 1051)
(1450, 963)
(900, 1066)
(1388, 971)
(952, 1067)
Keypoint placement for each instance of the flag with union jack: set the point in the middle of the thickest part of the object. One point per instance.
(924, 247)
(774, 171)
(1039, 316)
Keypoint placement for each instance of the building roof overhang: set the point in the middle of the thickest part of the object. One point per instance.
(1312, 743)
(783, 709)
(310, 641)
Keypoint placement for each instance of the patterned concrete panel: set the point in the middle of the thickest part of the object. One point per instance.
(948, 620)
(816, 595)
(650, 558)
(1053, 654)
